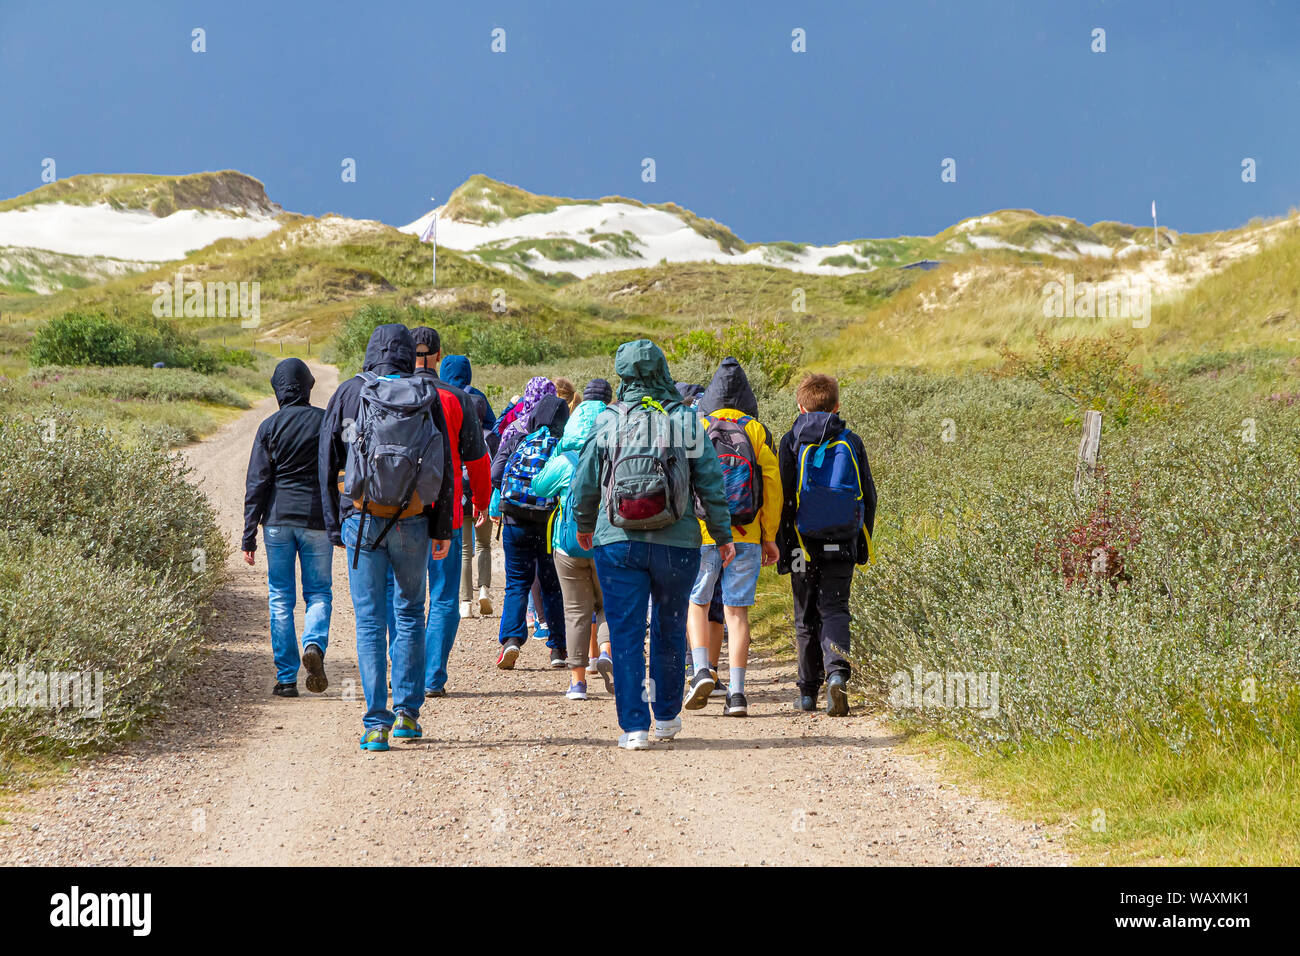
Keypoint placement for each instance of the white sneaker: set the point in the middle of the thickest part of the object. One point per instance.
(635, 740)
(668, 729)
(464, 609)
(484, 602)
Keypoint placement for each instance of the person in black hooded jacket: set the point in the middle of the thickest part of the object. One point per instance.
(821, 572)
(405, 550)
(282, 493)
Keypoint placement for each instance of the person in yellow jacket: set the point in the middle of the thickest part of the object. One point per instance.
(730, 399)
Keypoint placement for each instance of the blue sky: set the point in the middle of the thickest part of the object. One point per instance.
(843, 141)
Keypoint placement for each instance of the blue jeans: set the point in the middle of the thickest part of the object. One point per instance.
(526, 557)
(286, 547)
(444, 613)
(405, 551)
(632, 573)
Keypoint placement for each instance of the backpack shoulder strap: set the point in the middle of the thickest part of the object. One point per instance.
(368, 377)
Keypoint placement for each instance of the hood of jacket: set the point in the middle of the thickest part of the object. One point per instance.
(551, 412)
(643, 371)
(582, 422)
(813, 428)
(729, 389)
(538, 388)
(292, 382)
(391, 351)
(455, 370)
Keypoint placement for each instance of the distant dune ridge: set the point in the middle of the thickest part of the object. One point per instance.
(92, 227)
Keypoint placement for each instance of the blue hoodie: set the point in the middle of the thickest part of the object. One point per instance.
(455, 370)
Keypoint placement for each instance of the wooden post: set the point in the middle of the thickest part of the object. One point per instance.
(1086, 467)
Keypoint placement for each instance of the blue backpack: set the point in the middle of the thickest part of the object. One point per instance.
(563, 530)
(517, 499)
(829, 496)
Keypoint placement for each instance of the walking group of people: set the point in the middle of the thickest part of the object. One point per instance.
(649, 508)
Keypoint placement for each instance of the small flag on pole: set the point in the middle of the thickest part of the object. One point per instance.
(430, 234)
(1153, 209)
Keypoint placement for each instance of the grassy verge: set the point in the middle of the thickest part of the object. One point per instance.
(1213, 804)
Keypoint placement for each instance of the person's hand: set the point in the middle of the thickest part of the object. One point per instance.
(726, 552)
(440, 548)
(481, 518)
(248, 557)
(770, 553)
(585, 540)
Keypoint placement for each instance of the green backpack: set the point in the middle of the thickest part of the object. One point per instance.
(647, 479)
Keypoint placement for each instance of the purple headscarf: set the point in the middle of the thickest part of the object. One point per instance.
(536, 389)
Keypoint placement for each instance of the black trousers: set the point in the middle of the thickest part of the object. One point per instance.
(821, 621)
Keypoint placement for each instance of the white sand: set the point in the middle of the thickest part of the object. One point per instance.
(101, 230)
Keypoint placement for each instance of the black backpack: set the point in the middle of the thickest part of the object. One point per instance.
(395, 457)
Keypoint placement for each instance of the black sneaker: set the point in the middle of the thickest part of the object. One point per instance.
(285, 690)
(558, 658)
(737, 706)
(314, 660)
(806, 702)
(698, 693)
(434, 693)
(837, 696)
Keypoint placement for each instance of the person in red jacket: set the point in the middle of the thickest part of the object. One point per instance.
(465, 438)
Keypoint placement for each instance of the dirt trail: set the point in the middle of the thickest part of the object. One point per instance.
(508, 771)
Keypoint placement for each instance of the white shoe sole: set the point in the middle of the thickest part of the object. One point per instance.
(668, 733)
(698, 695)
(507, 661)
(605, 668)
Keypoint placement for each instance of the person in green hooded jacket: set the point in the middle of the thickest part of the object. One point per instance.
(584, 608)
(652, 565)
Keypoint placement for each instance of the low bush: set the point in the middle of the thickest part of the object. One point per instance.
(487, 338)
(109, 559)
(89, 338)
(770, 347)
(144, 384)
(1161, 607)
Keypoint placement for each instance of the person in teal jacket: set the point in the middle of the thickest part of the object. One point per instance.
(658, 565)
(584, 608)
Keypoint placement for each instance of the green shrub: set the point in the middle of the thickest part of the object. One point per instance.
(1089, 374)
(109, 559)
(769, 347)
(488, 339)
(88, 338)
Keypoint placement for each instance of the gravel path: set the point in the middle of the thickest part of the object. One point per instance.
(508, 772)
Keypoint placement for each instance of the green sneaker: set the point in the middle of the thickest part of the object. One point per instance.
(376, 739)
(405, 726)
